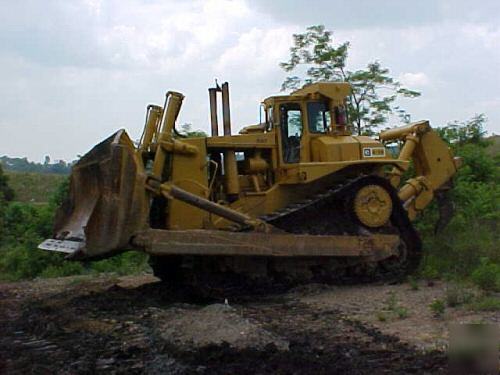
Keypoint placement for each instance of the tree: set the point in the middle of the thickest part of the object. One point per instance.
(374, 91)
(188, 132)
(6, 195)
(467, 139)
(6, 192)
(24, 165)
(459, 133)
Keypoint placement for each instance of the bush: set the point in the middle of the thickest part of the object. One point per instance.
(392, 309)
(437, 307)
(26, 262)
(487, 304)
(24, 226)
(487, 275)
(473, 232)
(457, 295)
(124, 264)
(413, 282)
(6, 192)
(65, 269)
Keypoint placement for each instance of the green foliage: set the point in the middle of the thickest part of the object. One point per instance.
(6, 195)
(6, 192)
(437, 307)
(459, 133)
(24, 226)
(487, 275)
(24, 165)
(493, 147)
(123, 264)
(473, 232)
(458, 294)
(374, 92)
(60, 194)
(34, 187)
(401, 312)
(392, 301)
(188, 132)
(392, 309)
(486, 303)
(413, 283)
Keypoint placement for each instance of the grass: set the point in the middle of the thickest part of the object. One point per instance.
(487, 275)
(413, 282)
(438, 308)
(25, 261)
(393, 309)
(458, 294)
(486, 303)
(34, 187)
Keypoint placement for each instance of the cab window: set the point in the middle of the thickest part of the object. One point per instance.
(269, 118)
(319, 117)
(291, 132)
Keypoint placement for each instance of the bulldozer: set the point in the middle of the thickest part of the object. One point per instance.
(295, 198)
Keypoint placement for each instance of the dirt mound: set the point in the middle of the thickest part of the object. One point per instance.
(216, 324)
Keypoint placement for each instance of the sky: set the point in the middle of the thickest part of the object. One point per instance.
(74, 71)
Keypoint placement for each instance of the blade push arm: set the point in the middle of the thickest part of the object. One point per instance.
(432, 159)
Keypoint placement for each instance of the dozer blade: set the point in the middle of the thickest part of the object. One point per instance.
(107, 202)
(211, 242)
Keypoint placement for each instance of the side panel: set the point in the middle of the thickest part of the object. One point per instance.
(190, 173)
(330, 149)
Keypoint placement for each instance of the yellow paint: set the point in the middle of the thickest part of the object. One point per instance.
(253, 178)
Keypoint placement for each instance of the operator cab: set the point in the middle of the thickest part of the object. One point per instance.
(291, 131)
(313, 111)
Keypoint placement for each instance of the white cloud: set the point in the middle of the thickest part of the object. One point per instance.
(257, 51)
(416, 80)
(489, 36)
(95, 6)
(72, 72)
(180, 34)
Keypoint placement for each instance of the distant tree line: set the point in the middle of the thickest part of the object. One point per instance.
(24, 165)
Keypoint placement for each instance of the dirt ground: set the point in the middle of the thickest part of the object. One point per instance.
(108, 324)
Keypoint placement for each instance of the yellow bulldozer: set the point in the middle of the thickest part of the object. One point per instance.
(294, 198)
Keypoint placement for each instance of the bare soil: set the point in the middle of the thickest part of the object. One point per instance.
(108, 324)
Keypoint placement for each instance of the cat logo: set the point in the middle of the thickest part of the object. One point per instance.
(373, 152)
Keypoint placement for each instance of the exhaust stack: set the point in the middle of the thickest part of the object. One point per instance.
(232, 183)
(226, 113)
(212, 93)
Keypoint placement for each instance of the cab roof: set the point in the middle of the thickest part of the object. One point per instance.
(336, 91)
(332, 90)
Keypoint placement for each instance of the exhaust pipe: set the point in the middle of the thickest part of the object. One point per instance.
(226, 113)
(232, 183)
(212, 92)
(230, 165)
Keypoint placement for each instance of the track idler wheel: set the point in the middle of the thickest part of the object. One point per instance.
(372, 206)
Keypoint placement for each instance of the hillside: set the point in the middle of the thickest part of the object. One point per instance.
(24, 165)
(494, 148)
(34, 187)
